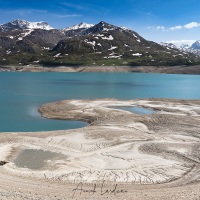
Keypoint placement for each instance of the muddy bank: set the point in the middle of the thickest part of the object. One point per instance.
(144, 69)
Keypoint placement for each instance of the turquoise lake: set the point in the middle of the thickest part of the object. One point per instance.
(21, 94)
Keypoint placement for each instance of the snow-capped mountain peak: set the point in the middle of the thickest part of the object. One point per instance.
(82, 25)
(196, 45)
(23, 24)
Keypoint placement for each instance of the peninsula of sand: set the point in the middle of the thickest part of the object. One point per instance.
(118, 155)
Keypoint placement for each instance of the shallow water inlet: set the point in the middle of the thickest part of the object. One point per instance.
(135, 109)
(36, 159)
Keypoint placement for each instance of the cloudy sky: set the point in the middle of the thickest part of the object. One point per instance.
(160, 21)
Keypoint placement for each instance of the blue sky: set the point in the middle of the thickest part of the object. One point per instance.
(153, 19)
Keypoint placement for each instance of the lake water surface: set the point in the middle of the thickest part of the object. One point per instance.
(135, 109)
(21, 94)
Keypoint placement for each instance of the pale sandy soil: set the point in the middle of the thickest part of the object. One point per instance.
(119, 155)
(146, 69)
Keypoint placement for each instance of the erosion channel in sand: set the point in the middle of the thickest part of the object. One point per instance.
(156, 150)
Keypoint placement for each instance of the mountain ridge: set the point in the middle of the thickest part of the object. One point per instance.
(23, 24)
(83, 44)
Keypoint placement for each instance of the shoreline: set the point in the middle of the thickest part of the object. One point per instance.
(125, 69)
(119, 155)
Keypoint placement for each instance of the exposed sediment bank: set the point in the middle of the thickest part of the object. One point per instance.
(144, 69)
(120, 155)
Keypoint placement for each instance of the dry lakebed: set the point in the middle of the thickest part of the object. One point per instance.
(119, 155)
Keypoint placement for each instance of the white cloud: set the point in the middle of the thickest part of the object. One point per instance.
(175, 28)
(192, 25)
(27, 12)
(162, 28)
(76, 6)
(186, 26)
(178, 27)
(24, 12)
(67, 16)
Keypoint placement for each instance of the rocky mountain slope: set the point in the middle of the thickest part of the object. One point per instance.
(23, 43)
(105, 44)
(21, 37)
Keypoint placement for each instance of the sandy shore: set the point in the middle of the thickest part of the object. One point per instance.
(144, 69)
(119, 155)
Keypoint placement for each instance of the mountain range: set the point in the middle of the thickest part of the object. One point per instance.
(24, 43)
(191, 48)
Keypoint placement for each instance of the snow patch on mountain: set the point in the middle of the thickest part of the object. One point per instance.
(26, 33)
(135, 35)
(88, 42)
(108, 29)
(112, 48)
(57, 55)
(110, 37)
(124, 28)
(113, 56)
(100, 35)
(137, 54)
